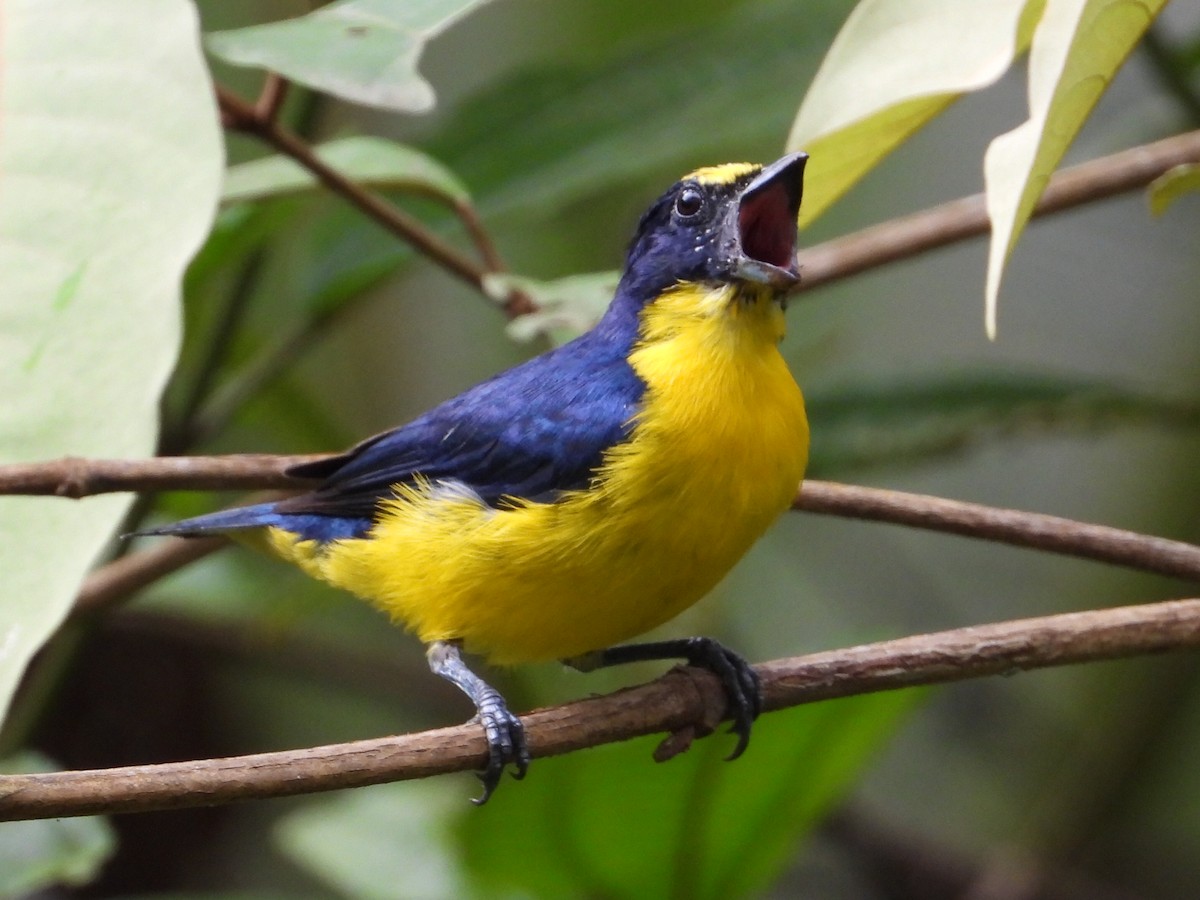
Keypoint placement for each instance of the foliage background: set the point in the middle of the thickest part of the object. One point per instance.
(564, 120)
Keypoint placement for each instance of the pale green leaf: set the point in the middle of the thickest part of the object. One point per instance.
(1170, 186)
(894, 66)
(112, 160)
(391, 840)
(42, 853)
(1077, 47)
(365, 51)
(370, 161)
(567, 307)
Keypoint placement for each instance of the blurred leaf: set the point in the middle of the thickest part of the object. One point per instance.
(112, 157)
(894, 66)
(368, 160)
(1170, 186)
(612, 823)
(41, 853)
(873, 425)
(550, 136)
(365, 51)
(1077, 48)
(387, 841)
(567, 307)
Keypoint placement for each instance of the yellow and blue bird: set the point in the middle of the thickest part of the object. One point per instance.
(592, 493)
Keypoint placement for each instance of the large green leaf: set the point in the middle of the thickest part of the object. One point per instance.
(112, 160)
(552, 135)
(1077, 48)
(365, 51)
(894, 66)
(611, 823)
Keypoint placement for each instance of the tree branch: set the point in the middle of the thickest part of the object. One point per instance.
(940, 226)
(1007, 526)
(682, 701)
(74, 477)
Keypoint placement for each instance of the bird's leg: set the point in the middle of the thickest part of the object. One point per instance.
(505, 733)
(740, 681)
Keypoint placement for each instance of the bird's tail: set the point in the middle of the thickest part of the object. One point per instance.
(261, 515)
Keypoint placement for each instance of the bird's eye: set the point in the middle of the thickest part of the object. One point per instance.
(689, 202)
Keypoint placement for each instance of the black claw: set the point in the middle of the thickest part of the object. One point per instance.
(742, 687)
(506, 744)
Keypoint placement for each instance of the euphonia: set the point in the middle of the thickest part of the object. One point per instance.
(594, 492)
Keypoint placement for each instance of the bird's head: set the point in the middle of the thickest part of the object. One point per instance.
(733, 224)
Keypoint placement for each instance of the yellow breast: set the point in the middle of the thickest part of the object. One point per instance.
(716, 454)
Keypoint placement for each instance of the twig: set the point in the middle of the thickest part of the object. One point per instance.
(675, 702)
(940, 226)
(239, 115)
(128, 574)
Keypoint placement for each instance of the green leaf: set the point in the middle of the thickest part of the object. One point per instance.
(554, 135)
(610, 822)
(567, 307)
(1170, 186)
(387, 841)
(1077, 48)
(894, 66)
(41, 853)
(365, 51)
(371, 161)
(112, 158)
(890, 424)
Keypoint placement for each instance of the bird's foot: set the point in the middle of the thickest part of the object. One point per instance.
(743, 689)
(506, 743)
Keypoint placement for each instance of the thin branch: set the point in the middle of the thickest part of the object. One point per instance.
(239, 115)
(74, 477)
(271, 97)
(940, 226)
(681, 702)
(1008, 526)
(113, 582)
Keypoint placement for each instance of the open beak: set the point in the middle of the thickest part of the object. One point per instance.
(766, 223)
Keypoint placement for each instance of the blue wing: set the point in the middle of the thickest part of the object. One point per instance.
(530, 432)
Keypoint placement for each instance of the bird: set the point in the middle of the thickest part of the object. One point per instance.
(577, 500)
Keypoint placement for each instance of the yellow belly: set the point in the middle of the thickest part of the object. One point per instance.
(716, 455)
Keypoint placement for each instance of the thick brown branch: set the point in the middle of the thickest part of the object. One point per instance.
(678, 701)
(966, 217)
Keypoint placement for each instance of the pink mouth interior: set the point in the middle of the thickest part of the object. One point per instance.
(767, 227)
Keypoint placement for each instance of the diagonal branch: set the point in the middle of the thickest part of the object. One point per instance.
(248, 118)
(681, 702)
